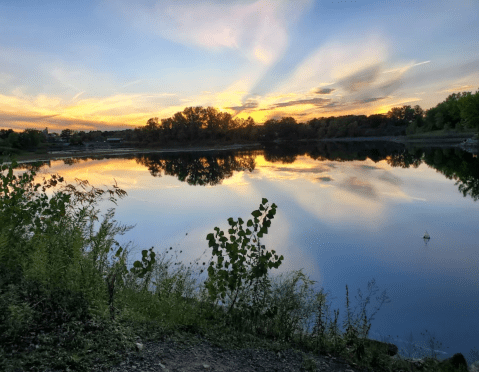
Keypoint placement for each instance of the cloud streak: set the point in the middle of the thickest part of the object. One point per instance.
(258, 29)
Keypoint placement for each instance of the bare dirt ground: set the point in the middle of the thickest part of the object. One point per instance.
(174, 355)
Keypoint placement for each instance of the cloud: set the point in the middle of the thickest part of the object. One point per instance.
(77, 95)
(132, 83)
(5, 78)
(459, 88)
(116, 111)
(248, 105)
(358, 187)
(318, 169)
(361, 79)
(319, 102)
(324, 179)
(258, 29)
(368, 100)
(324, 90)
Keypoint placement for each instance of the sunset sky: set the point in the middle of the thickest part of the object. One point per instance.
(109, 65)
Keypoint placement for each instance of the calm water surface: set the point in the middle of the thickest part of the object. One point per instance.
(345, 215)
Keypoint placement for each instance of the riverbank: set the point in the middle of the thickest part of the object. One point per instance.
(67, 154)
(426, 139)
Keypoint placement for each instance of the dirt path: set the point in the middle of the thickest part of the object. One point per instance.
(176, 356)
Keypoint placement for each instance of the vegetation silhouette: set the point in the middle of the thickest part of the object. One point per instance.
(457, 165)
(197, 169)
(459, 112)
(210, 169)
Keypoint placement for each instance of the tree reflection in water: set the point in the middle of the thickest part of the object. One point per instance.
(198, 170)
(211, 169)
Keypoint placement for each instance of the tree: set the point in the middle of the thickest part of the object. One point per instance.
(152, 124)
(4, 133)
(401, 115)
(66, 134)
(469, 109)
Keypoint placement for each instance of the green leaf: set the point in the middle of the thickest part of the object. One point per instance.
(256, 213)
(264, 201)
(249, 223)
(210, 236)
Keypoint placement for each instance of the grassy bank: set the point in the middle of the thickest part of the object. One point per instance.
(69, 302)
(444, 134)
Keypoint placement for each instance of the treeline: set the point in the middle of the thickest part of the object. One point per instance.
(459, 111)
(198, 124)
(209, 125)
(29, 138)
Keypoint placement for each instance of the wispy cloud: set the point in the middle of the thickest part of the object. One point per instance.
(132, 83)
(4, 77)
(77, 95)
(20, 112)
(318, 102)
(258, 29)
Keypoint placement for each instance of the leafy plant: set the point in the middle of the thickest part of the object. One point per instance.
(52, 239)
(247, 259)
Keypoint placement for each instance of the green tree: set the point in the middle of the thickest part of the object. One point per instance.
(469, 109)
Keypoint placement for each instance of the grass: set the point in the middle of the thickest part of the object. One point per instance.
(174, 307)
(85, 313)
(443, 133)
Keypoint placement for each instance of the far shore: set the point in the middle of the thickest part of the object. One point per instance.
(441, 141)
(61, 155)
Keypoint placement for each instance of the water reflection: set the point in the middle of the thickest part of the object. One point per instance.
(347, 212)
(458, 165)
(198, 169)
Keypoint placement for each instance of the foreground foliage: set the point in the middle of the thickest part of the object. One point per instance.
(68, 301)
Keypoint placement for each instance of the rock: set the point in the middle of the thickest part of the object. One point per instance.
(139, 346)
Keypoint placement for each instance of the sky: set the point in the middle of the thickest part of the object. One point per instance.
(113, 64)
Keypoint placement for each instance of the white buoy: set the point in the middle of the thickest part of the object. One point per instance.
(426, 236)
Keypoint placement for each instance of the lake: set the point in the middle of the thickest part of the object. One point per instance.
(347, 213)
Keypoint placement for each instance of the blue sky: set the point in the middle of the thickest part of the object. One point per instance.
(114, 64)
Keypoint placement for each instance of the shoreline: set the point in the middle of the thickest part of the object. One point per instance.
(61, 155)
